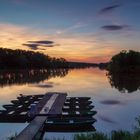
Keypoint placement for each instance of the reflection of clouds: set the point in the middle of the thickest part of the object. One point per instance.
(43, 85)
(112, 102)
(106, 119)
(51, 83)
(95, 85)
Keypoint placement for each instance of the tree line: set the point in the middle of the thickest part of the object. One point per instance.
(125, 61)
(21, 59)
(124, 71)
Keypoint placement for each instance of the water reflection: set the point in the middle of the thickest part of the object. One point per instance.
(125, 82)
(20, 77)
(111, 102)
(114, 110)
(107, 119)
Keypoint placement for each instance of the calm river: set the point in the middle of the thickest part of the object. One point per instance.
(116, 99)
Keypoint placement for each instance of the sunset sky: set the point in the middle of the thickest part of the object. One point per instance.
(78, 30)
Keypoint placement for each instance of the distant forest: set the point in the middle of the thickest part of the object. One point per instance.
(21, 59)
(28, 59)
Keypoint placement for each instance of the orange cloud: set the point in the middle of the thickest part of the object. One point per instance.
(72, 47)
(13, 36)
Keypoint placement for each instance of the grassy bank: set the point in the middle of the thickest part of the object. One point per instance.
(115, 135)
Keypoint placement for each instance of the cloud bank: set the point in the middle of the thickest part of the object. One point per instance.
(34, 45)
(114, 27)
(109, 9)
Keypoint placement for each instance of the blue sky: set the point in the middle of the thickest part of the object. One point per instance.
(79, 30)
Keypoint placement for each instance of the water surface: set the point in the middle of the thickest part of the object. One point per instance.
(116, 98)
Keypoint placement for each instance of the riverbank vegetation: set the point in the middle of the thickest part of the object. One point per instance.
(115, 135)
(124, 71)
(21, 59)
(125, 61)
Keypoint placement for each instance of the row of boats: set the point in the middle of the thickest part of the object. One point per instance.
(77, 113)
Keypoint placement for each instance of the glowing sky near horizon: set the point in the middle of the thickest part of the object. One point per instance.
(81, 30)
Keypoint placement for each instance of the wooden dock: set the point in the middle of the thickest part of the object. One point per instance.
(52, 104)
(48, 105)
(57, 106)
(52, 111)
(32, 129)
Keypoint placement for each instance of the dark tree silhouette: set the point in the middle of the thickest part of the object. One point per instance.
(125, 61)
(21, 59)
(124, 71)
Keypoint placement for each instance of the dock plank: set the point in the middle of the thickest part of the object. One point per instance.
(32, 129)
(49, 104)
(56, 108)
(43, 101)
(53, 102)
(57, 103)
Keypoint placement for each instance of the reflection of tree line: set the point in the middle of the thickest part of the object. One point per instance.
(125, 82)
(29, 76)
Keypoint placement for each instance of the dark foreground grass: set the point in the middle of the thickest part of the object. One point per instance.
(115, 135)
